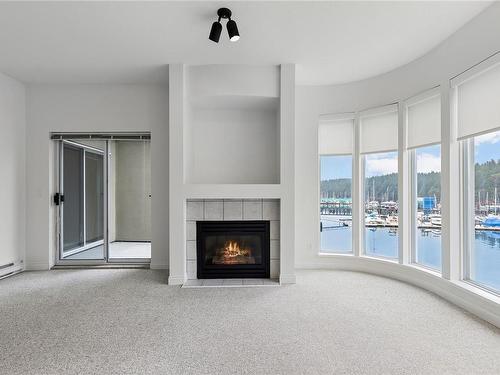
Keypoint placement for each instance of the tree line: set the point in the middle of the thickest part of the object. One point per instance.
(385, 188)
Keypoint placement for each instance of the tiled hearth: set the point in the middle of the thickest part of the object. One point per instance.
(230, 283)
(232, 209)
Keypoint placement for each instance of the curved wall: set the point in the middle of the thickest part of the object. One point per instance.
(473, 43)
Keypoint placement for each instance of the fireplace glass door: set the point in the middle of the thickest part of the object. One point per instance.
(232, 249)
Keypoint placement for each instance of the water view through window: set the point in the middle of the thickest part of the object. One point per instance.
(484, 256)
(381, 204)
(336, 204)
(428, 213)
(381, 208)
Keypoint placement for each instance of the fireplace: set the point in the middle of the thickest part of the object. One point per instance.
(232, 249)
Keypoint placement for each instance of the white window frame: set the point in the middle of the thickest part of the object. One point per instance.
(361, 197)
(467, 214)
(338, 251)
(412, 161)
(467, 208)
(332, 117)
(413, 176)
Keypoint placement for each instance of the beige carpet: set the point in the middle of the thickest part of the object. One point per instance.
(331, 322)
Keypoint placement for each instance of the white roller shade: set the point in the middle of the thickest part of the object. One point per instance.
(379, 129)
(335, 136)
(424, 119)
(478, 99)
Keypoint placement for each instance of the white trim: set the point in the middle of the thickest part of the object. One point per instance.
(288, 279)
(379, 152)
(424, 145)
(177, 280)
(333, 117)
(338, 251)
(476, 70)
(413, 205)
(423, 96)
(450, 185)
(467, 211)
(404, 189)
(326, 255)
(380, 110)
(158, 266)
(357, 186)
(85, 147)
(61, 256)
(339, 154)
(478, 134)
(85, 247)
(37, 266)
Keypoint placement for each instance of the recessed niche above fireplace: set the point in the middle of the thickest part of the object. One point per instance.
(233, 249)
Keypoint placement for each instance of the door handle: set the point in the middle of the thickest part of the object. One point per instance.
(58, 199)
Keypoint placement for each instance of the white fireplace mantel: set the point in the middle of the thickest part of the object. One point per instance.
(267, 82)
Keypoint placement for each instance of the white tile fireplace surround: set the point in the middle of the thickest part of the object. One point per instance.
(243, 105)
(232, 209)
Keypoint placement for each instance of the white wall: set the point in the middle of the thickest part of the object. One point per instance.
(12, 170)
(471, 44)
(231, 124)
(132, 183)
(476, 41)
(91, 108)
(232, 81)
(233, 146)
(213, 88)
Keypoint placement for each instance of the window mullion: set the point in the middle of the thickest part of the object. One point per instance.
(357, 193)
(404, 196)
(450, 182)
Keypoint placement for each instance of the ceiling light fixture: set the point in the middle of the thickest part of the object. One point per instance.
(232, 28)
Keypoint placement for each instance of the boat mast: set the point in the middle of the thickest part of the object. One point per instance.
(495, 200)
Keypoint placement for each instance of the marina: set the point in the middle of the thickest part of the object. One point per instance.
(385, 214)
(381, 240)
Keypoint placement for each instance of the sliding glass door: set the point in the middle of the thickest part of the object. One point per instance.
(82, 211)
(104, 201)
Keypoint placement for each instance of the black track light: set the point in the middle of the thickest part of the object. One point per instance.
(215, 32)
(232, 28)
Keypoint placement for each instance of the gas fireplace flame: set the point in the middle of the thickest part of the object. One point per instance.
(232, 250)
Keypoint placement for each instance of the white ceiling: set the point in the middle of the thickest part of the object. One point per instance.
(331, 42)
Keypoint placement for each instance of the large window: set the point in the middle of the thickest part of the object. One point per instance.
(478, 123)
(336, 203)
(378, 142)
(359, 173)
(428, 207)
(424, 130)
(483, 245)
(381, 204)
(335, 140)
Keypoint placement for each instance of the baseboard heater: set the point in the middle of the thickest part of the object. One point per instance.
(8, 269)
(6, 266)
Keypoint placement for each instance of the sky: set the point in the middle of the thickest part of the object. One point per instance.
(487, 147)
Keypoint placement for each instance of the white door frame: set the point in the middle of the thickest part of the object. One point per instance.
(60, 240)
(105, 242)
